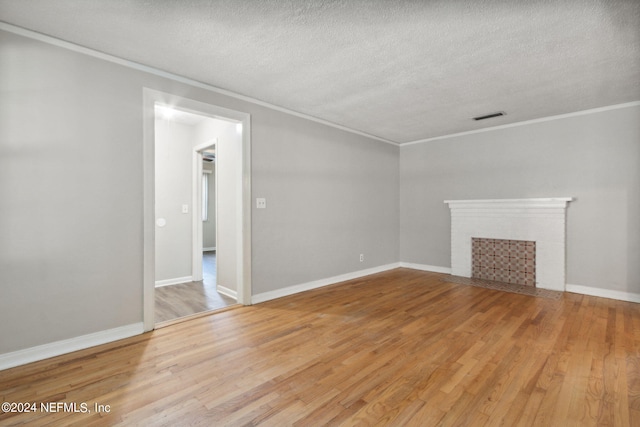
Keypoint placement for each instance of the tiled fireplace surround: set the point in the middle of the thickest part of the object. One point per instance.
(508, 261)
(541, 220)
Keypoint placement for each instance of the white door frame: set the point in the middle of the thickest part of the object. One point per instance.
(196, 239)
(152, 97)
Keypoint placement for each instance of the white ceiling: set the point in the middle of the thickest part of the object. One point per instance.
(400, 70)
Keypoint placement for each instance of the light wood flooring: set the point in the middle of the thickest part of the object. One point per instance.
(185, 299)
(396, 348)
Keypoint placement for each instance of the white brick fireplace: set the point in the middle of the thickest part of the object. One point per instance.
(541, 220)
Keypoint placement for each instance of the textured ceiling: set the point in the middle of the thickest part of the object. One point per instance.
(400, 70)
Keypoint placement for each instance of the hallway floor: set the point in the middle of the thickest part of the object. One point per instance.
(185, 299)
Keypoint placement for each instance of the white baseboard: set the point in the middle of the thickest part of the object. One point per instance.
(209, 249)
(279, 293)
(174, 281)
(228, 292)
(604, 293)
(45, 351)
(425, 267)
(577, 289)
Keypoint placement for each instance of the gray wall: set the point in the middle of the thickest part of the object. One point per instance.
(71, 194)
(594, 158)
(330, 197)
(174, 144)
(173, 163)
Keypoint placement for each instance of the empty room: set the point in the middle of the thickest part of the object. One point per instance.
(320, 212)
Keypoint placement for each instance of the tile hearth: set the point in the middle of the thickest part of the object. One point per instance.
(505, 287)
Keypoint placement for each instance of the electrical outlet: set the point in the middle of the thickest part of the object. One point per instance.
(261, 203)
(361, 257)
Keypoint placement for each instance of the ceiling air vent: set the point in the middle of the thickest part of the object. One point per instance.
(490, 116)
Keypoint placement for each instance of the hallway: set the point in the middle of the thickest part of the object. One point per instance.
(189, 298)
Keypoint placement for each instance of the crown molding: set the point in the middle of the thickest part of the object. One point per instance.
(181, 79)
(526, 122)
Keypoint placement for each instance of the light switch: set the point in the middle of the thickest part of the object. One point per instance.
(185, 208)
(261, 203)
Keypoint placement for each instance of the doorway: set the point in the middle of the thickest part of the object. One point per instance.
(231, 258)
(186, 210)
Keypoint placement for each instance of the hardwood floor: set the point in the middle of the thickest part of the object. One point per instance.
(396, 348)
(185, 299)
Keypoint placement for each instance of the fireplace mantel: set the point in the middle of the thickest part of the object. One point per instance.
(542, 220)
(514, 205)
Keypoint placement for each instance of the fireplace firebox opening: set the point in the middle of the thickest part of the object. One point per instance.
(501, 260)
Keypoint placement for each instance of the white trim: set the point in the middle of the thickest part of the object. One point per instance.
(244, 209)
(603, 293)
(228, 292)
(212, 248)
(526, 122)
(425, 267)
(45, 351)
(150, 98)
(194, 83)
(291, 290)
(196, 202)
(577, 289)
(148, 209)
(167, 75)
(174, 281)
(497, 205)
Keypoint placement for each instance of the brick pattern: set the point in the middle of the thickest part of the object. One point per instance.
(542, 220)
(508, 261)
